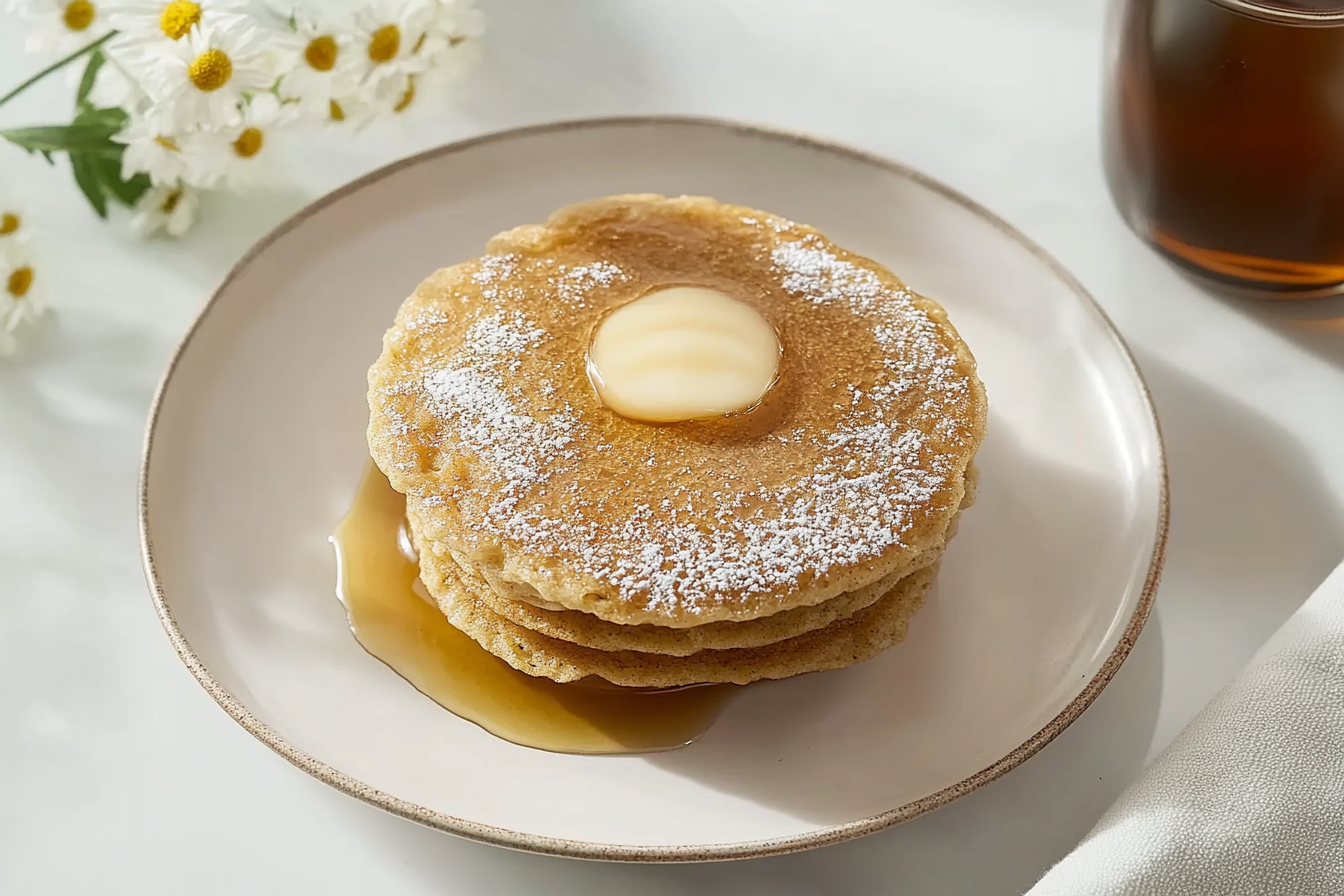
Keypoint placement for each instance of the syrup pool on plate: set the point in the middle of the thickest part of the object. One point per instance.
(394, 618)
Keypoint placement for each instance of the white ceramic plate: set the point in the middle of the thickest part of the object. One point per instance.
(256, 443)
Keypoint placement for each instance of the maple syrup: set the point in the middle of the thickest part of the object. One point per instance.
(394, 619)
(1225, 137)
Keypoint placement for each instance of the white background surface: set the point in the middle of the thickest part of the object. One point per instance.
(119, 775)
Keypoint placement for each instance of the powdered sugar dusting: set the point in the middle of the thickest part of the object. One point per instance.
(573, 284)
(471, 395)
(493, 270)
(814, 272)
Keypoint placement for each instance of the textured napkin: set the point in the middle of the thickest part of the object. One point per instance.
(1249, 799)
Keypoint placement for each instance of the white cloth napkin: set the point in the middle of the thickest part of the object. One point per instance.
(1249, 799)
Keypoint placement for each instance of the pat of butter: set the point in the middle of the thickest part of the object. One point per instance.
(683, 353)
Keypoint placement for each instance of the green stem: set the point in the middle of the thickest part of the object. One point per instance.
(56, 66)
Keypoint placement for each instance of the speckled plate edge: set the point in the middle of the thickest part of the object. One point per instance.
(609, 852)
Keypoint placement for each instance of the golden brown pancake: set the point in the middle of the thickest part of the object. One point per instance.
(847, 474)
(587, 630)
(861, 636)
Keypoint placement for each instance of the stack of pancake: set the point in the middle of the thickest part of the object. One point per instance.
(799, 535)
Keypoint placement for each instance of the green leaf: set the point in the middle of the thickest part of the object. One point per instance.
(92, 133)
(112, 120)
(133, 189)
(127, 192)
(85, 169)
(95, 158)
(54, 138)
(96, 60)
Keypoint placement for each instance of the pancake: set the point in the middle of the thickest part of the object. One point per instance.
(860, 637)
(848, 473)
(522, 591)
(589, 631)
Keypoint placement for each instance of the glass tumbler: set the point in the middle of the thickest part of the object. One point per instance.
(1224, 138)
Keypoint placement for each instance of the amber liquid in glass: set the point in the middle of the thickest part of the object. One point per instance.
(1225, 141)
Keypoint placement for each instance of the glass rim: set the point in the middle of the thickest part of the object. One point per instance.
(1259, 9)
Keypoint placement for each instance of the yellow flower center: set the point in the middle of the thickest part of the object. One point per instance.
(178, 18)
(320, 53)
(384, 44)
(79, 14)
(167, 143)
(335, 111)
(9, 222)
(211, 70)
(170, 202)
(407, 97)
(20, 281)
(248, 143)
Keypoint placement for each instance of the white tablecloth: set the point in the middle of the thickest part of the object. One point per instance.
(117, 773)
(1249, 798)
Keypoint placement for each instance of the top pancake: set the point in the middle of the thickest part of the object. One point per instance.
(852, 465)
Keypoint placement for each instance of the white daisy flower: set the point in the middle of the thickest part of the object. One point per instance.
(146, 22)
(320, 66)
(396, 94)
(253, 151)
(446, 53)
(454, 23)
(11, 226)
(165, 156)
(388, 36)
(21, 300)
(352, 110)
(61, 26)
(400, 95)
(172, 209)
(200, 80)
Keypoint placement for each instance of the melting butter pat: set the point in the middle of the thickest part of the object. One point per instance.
(683, 353)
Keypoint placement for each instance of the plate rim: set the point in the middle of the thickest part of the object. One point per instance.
(584, 849)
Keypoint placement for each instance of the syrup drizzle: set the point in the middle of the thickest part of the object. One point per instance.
(394, 618)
